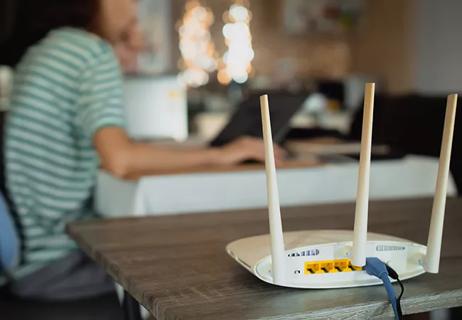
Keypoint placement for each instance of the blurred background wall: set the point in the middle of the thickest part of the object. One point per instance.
(407, 45)
(438, 49)
(411, 45)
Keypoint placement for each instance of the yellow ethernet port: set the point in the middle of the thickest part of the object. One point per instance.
(330, 266)
(343, 265)
(313, 267)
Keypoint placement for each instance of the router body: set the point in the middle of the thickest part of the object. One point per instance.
(336, 258)
(321, 259)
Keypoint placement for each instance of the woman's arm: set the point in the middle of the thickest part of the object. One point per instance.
(122, 157)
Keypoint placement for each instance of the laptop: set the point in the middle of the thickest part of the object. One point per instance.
(246, 120)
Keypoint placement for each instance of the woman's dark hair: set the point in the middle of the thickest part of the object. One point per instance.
(35, 18)
(46, 15)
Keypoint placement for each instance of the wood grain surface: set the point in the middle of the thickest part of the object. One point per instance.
(176, 266)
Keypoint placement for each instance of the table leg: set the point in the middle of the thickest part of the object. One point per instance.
(131, 308)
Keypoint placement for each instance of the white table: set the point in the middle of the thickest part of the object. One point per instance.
(410, 177)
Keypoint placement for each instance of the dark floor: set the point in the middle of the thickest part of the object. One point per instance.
(105, 307)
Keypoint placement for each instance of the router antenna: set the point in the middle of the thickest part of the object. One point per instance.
(274, 210)
(362, 196)
(435, 235)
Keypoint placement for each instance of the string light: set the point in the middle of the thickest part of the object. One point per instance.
(236, 64)
(197, 49)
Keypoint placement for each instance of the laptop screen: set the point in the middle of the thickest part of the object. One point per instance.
(246, 120)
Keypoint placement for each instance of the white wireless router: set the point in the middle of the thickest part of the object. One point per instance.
(335, 258)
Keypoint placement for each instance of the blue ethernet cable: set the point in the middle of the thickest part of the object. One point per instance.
(375, 267)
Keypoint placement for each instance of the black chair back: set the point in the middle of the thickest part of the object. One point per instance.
(413, 124)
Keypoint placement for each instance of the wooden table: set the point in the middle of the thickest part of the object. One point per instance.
(176, 266)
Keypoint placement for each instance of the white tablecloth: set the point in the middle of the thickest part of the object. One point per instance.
(413, 176)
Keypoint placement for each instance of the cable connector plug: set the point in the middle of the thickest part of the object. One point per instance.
(375, 267)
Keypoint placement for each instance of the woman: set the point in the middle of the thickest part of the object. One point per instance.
(66, 121)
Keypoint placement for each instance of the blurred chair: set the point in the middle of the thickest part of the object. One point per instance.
(9, 240)
(10, 249)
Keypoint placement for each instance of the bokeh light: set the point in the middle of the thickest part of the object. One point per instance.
(237, 61)
(197, 49)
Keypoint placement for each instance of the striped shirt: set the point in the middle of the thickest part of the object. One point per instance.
(66, 87)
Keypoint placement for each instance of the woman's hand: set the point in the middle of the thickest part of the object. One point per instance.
(123, 158)
(246, 148)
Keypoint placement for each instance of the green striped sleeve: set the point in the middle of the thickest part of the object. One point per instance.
(101, 100)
